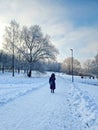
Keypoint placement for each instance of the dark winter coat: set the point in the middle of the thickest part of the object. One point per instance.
(52, 82)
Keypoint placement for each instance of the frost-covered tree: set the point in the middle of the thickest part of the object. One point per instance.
(91, 66)
(28, 43)
(67, 66)
(10, 40)
(88, 65)
(35, 47)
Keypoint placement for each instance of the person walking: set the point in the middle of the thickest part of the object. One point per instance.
(52, 82)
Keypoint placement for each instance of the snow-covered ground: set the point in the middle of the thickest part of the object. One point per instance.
(27, 104)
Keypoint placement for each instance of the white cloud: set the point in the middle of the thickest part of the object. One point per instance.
(54, 20)
(84, 41)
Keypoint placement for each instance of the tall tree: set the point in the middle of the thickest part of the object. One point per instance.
(30, 42)
(10, 40)
(35, 47)
(67, 66)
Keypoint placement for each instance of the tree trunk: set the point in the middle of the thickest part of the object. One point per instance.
(13, 65)
(30, 70)
(3, 69)
(29, 73)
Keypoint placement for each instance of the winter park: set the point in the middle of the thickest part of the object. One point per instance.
(27, 103)
(49, 65)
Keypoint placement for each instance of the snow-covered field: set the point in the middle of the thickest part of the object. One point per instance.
(27, 104)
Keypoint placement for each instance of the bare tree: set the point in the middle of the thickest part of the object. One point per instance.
(87, 65)
(66, 66)
(11, 39)
(35, 47)
(29, 42)
(77, 66)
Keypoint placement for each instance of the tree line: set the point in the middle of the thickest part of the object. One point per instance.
(27, 48)
(27, 45)
(89, 67)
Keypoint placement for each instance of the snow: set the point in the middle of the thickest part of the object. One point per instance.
(27, 103)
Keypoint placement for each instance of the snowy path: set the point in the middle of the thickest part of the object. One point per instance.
(41, 110)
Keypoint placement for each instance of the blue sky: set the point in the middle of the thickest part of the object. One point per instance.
(70, 23)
